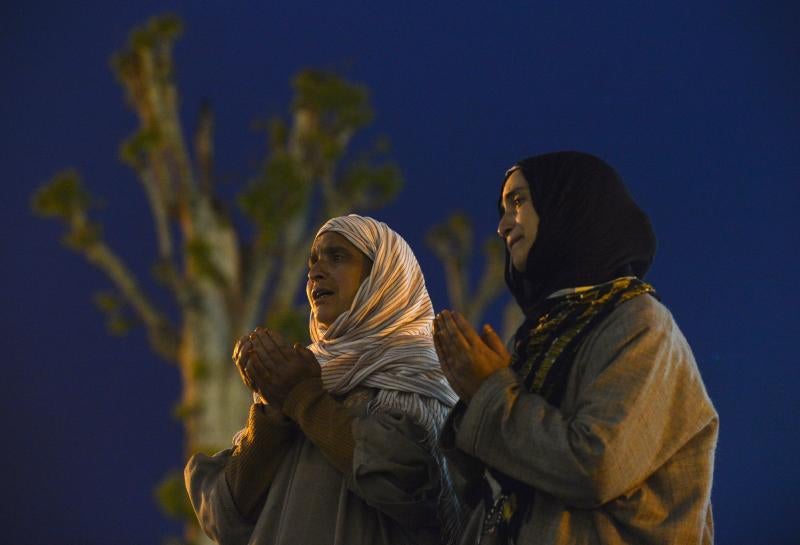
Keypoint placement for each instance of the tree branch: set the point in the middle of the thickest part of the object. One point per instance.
(204, 147)
(491, 283)
(158, 208)
(161, 334)
(257, 276)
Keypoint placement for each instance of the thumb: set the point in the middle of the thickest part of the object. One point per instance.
(492, 340)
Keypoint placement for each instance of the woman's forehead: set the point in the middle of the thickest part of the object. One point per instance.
(515, 183)
(330, 239)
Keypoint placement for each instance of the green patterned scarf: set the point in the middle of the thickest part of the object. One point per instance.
(546, 347)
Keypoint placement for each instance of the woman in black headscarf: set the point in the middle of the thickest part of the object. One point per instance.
(597, 427)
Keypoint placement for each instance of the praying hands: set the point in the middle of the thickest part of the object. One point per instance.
(467, 359)
(271, 367)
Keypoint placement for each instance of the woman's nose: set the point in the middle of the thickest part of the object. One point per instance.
(315, 272)
(504, 226)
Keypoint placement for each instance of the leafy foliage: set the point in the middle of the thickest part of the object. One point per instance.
(63, 197)
(370, 185)
(199, 254)
(279, 193)
(118, 321)
(171, 497)
(339, 105)
(292, 323)
(135, 149)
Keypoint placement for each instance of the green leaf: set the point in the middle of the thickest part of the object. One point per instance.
(199, 370)
(112, 305)
(279, 194)
(171, 497)
(119, 325)
(199, 253)
(163, 270)
(83, 236)
(340, 104)
(291, 323)
(63, 197)
(185, 410)
(107, 301)
(134, 149)
(278, 133)
(167, 26)
(370, 186)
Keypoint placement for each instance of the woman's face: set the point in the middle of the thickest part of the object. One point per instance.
(519, 222)
(336, 269)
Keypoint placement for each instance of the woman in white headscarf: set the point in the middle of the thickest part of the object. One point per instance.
(340, 444)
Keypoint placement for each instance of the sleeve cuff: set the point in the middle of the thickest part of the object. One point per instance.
(324, 421)
(301, 394)
(256, 458)
(265, 426)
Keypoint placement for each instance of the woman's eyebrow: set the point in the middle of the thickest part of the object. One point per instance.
(328, 250)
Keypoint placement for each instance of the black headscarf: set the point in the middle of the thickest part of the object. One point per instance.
(590, 229)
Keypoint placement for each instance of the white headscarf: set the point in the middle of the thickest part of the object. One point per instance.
(385, 339)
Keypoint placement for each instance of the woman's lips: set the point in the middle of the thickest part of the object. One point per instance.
(319, 294)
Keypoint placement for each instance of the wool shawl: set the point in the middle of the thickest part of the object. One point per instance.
(385, 340)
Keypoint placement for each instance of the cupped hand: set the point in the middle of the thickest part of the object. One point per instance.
(467, 358)
(276, 367)
(241, 354)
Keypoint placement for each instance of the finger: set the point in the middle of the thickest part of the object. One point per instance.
(452, 334)
(238, 352)
(439, 342)
(440, 353)
(273, 343)
(238, 347)
(240, 367)
(448, 358)
(258, 348)
(493, 340)
(437, 323)
(268, 352)
(466, 329)
(447, 369)
(449, 351)
(276, 337)
(444, 361)
(241, 361)
(258, 372)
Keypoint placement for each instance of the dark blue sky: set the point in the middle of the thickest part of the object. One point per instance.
(696, 104)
